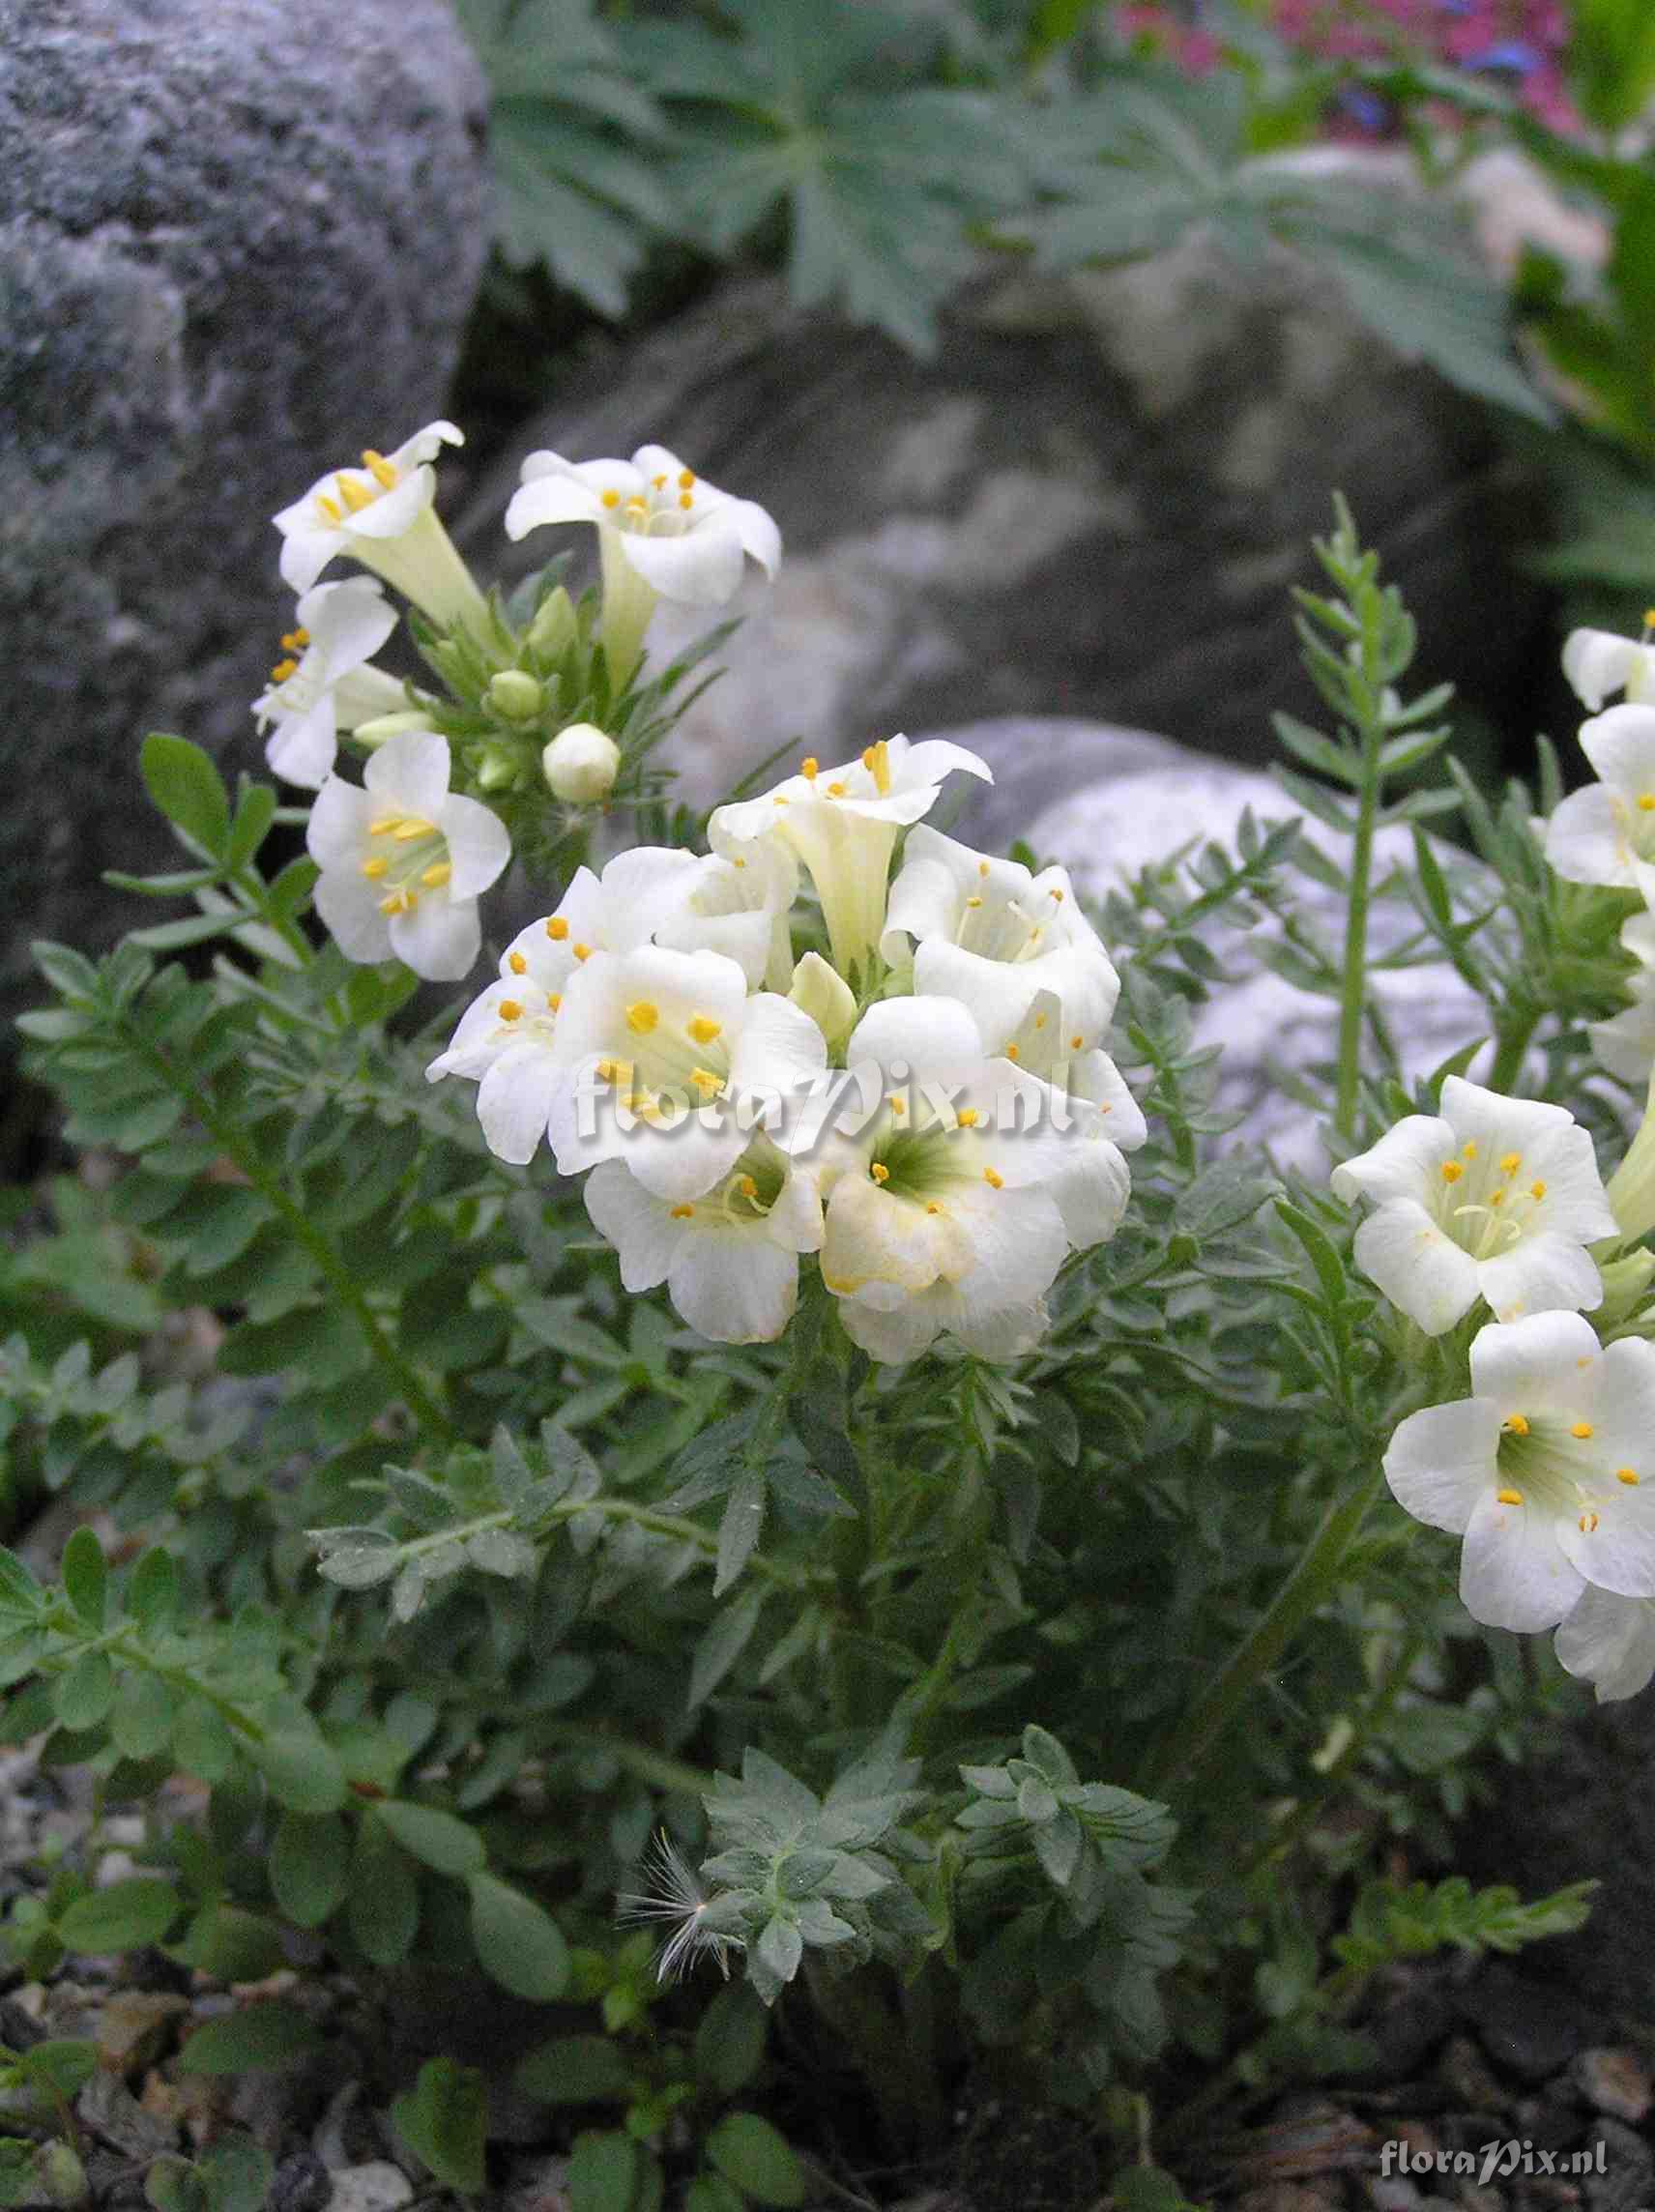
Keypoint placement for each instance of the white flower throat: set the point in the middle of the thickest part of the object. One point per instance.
(1557, 1463)
(1486, 1204)
(407, 855)
(666, 1054)
(1005, 929)
(666, 509)
(351, 493)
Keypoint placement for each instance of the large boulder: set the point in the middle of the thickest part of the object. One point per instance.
(239, 242)
(1092, 501)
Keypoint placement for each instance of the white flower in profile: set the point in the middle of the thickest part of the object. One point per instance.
(663, 533)
(382, 515)
(1547, 1469)
(729, 1258)
(842, 823)
(1625, 1043)
(1494, 1196)
(665, 1062)
(328, 687)
(1598, 661)
(1610, 1642)
(1605, 833)
(989, 932)
(404, 859)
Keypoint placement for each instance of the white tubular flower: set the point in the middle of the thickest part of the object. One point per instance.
(1597, 662)
(328, 688)
(842, 822)
(382, 515)
(1547, 1470)
(662, 533)
(988, 932)
(944, 1209)
(404, 859)
(1625, 1043)
(1605, 833)
(729, 1258)
(580, 764)
(1609, 1641)
(666, 1064)
(1495, 1198)
(739, 908)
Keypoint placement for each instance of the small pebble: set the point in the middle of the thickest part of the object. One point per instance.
(377, 2187)
(1615, 2082)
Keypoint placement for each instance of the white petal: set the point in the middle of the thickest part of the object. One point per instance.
(1018, 1243)
(440, 939)
(1511, 1572)
(779, 1046)
(348, 621)
(426, 444)
(701, 568)
(1005, 1334)
(1406, 1162)
(549, 499)
(307, 549)
(1095, 1078)
(1610, 1642)
(410, 772)
(303, 748)
(1586, 839)
(349, 905)
(892, 1337)
(1542, 1271)
(1620, 745)
(685, 1162)
(479, 1039)
(638, 1224)
(734, 1286)
(1626, 1044)
(1440, 1461)
(1499, 1124)
(1597, 662)
(515, 1102)
(478, 847)
(336, 834)
(933, 759)
(1521, 1364)
(1091, 1192)
(1417, 1266)
(930, 1036)
(393, 513)
(757, 530)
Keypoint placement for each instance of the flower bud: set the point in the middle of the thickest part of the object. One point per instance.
(581, 764)
(515, 694)
(375, 732)
(822, 993)
(495, 768)
(554, 627)
(1624, 1281)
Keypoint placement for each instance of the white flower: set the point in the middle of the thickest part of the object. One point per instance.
(328, 688)
(842, 822)
(404, 859)
(1597, 662)
(1610, 1642)
(1625, 1043)
(956, 1203)
(729, 1258)
(665, 1062)
(1605, 833)
(580, 764)
(739, 908)
(988, 932)
(1547, 1469)
(381, 515)
(1495, 1198)
(662, 533)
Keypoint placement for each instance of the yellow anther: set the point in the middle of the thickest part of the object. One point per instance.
(399, 902)
(1581, 1429)
(383, 825)
(1517, 1424)
(612, 499)
(880, 1172)
(1511, 1163)
(517, 964)
(973, 900)
(1054, 893)
(968, 1117)
(637, 506)
(1649, 617)
(330, 513)
(1014, 1052)
(897, 1104)
(982, 867)
(608, 1070)
(554, 1000)
(683, 1213)
(1076, 1041)
(642, 1015)
(1039, 1020)
(1497, 1197)
(835, 791)
(1452, 1171)
(877, 761)
(556, 929)
(659, 482)
(355, 496)
(1469, 1147)
(809, 768)
(703, 1079)
(582, 951)
(1509, 1497)
(931, 1207)
(1589, 1522)
(511, 1010)
(748, 1188)
(1537, 1190)
(685, 499)
(375, 866)
(994, 1182)
(1628, 1476)
(737, 863)
(703, 1029)
(436, 875)
(282, 670)
(296, 640)
(1646, 801)
(686, 480)
(382, 470)
(410, 826)
(778, 799)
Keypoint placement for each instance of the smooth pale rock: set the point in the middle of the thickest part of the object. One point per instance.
(376, 2187)
(1108, 803)
(1092, 501)
(239, 242)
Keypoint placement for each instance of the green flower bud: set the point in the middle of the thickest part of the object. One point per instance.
(375, 732)
(515, 694)
(496, 768)
(554, 627)
(581, 764)
(822, 993)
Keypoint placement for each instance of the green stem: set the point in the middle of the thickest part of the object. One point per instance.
(1353, 988)
(1310, 1585)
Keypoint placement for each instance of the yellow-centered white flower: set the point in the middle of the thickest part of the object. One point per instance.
(663, 533)
(729, 1258)
(1495, 1198)
(1605, 833)
(380, 514)
(1598, 661)
(1547, 1469)
(842, 823)
(404, 859)
(322, 683)
(1610, 1642)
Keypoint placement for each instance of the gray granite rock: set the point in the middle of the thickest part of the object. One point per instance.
(1108, 803)
(238, 241)
(1092, 501)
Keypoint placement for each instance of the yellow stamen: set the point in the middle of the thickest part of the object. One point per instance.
(436, 875)
(399, 902)
(705, 1080)
(375, 866)
(982, 867)
(1012, 1052)
(968, 1116)
(974, 901)
(1537, 1190)
(383, 472)
(582, 951)
(897, 1104)
(1646, 801)
(658, 482)
(642, 1015)
(685, 499)
(517, 964)
(1452, 1171)
(1054, 893)
(704, 1029)
(330, 513)
(932, 1207)
(608, 1070)
(835, 791)
(1497, 1197)
(612, 499)
(383, 825)
(1628, 1476)
(683, 1213)
(1517, 1424)
(1587, 1522)
(511, 1010)
(556, 929)
(1509, 1497)
(636, 505)
(1581, 1429)
(1039, 1020)
(809, 768)
(355, 496)
(554, 1000)
(748, 1188)
(409, 827)
(1511, 1163)
(778, 801)
(282, 670)
(994, 1182)
(880, 1172)
(1076, 1041)
(296, 640)
(877, 761)
(1469, 1147)
(686, 480)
